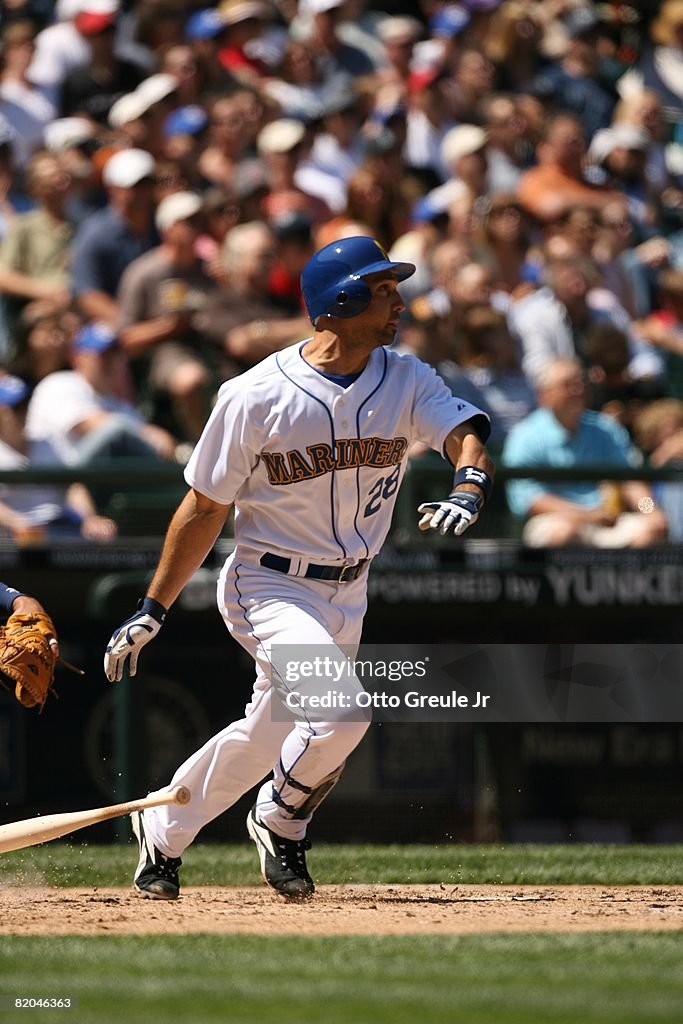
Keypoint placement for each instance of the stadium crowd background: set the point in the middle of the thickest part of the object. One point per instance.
(167, 168)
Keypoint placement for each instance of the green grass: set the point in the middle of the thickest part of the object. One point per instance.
(206, 864)
(612, 978)
(606, 978)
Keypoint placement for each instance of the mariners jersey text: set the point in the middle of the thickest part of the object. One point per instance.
(346, 453)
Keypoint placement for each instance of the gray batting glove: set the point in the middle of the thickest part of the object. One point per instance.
(129, 639)
(458, 511)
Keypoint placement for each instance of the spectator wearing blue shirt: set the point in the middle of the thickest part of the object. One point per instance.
(112, 238)
(562, 433)
(574, 83)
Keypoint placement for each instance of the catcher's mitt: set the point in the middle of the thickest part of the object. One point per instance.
(27, 661)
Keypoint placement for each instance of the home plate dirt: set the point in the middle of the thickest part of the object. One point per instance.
(343, 910)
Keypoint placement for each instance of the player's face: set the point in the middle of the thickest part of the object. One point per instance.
(378, 324)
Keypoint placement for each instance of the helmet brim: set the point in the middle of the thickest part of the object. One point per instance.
(400, 270)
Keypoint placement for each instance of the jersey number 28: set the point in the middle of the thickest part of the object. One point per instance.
(384, 488)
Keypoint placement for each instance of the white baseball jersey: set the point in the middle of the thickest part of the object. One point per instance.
(313, 468)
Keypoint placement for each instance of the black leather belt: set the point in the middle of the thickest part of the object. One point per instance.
(334, 573)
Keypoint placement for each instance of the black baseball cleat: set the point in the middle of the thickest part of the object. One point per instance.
(283, 861)
(156, 876)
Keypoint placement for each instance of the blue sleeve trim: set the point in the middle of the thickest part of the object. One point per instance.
(8, 596)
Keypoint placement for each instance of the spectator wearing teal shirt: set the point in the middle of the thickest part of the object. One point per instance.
(563, 433)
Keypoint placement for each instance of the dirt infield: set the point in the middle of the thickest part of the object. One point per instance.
(343, 910)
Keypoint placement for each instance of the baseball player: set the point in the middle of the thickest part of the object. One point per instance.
(310, 447)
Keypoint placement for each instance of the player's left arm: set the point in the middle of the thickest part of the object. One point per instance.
(472, 483)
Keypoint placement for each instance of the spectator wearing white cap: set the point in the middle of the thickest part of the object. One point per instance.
(92, 87)
(398, 35)
(33, 512)
(73, 140)
(282, 145)
(463, 151)
(26, 107)
(165, 299)
(645, 109)
(126, 118)
(142, 114)
(64, 132)
(111, 238)
(621, 151)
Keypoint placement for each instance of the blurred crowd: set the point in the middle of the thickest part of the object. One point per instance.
(168, 167)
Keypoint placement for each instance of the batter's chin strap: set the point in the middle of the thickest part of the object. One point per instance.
(314, 796)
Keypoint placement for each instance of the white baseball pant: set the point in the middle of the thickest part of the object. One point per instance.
(262, 607)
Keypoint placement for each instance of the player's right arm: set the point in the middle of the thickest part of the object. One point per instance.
(191, 534)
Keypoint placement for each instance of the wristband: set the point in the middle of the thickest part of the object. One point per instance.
(148, 606)
(473, 475)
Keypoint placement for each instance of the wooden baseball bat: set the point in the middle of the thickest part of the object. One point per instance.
(31, 831)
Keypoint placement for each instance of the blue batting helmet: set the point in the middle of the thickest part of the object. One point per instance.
(332, 280)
